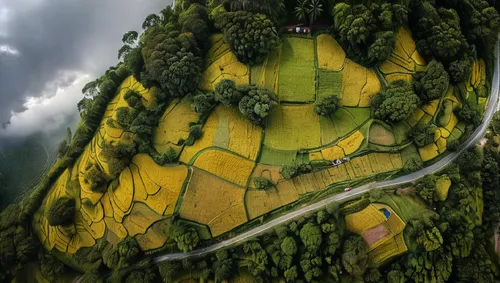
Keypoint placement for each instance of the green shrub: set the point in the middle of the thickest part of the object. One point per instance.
(425, 136)
(291, 171)
(227, 93)
(263, 183)
(327, 105)
(396, 103)
(61, 212)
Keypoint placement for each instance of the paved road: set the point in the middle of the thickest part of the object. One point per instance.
(473, 139)
(493, 105)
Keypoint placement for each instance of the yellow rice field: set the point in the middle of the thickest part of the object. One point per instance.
(352, 143)
(330, 54)
(225, 165)
(203, 191)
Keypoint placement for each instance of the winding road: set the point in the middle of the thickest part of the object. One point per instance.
(478, 134)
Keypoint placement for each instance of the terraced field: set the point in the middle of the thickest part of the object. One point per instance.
(212, 184)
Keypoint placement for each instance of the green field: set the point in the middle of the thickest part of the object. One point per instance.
(329, 83)
(297, 71)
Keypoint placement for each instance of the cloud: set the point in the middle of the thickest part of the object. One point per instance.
(49, 112)
(41, 39)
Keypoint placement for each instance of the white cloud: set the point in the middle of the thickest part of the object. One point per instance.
(47, 113)
(5, 49)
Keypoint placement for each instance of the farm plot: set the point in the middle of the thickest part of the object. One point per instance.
(359, 85)
(297, 71)
(214, 202)
(266, 74)
(381, 134)
(225, 165)
(173, 126)
(404, 59)
(226, 128)
(329, 83)
(221, 63)
(293, 127)
(331, 56)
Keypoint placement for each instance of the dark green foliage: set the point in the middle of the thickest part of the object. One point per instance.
(250, 36)
(254, 258)
(437, 32)
(461, 69)
(227, 93)
(367, 34)
(185, 236)
(478, 267)
(453, 144)
(327, 105)
(194, 20)
(50, 268)
(427, 188)
(435, 266)
(354, 256)
(469, 114)
(128, 249)
(477, 18)
(396, 103)
(174, 64)
(294, 170)
(432, 82)
(311, 264)
(490, 174)
(96, 178)
(257, 103)
(308, 10)
(195, 131)
(130, 37)
(495, 123)
(373, 275)
(203, 103)
(289, 246)
(133, 99)
(168, 270)
(272, 8)
(263, 183)
(223, 266)
(118, 156)
(92, 278)
(311, 237)
(425, 136)
(61, 212)
(62, 149)
(141, 276)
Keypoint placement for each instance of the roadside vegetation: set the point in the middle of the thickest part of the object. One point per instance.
(220, 115)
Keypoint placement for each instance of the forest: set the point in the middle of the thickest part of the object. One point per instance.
(451, 239)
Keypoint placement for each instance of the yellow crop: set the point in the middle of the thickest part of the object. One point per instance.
(116, 228)
(352, 142)
(331, 56)
(174, 125)
(370, 89)
(364, 220)
(226, 66)
(428, 152)
(140, 219)
(442, 187)
(155, 237)
(353, 81)
(203, 191)
(225, 165)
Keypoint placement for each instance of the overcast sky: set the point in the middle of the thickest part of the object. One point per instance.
(49, 49)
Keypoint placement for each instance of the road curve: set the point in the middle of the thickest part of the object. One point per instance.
(493, 105)
(410, 178)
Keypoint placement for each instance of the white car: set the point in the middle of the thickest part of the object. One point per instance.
(347, 189)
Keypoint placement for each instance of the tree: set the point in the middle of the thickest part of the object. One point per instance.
(255, 258)
(367, 34)
(203, 103)
(62, 149)
(311, 265)
(495, 123)
(250, 36)
(263, 183)
(327, 105)
(354, 256)
(424, 136)
(427, 188)
(289, 246)
(51, 268)
(223, 265)
(314, 10)
(61, 211)
(432, 82)
(227, 93)
(257, 103)
(396, 103)
(311, 236)
(175, 64)
(460, 69)
(168, 269)
(186, 237)
(128, 249)
(130, 37)
(434, 266)
(150, 21)
(291, 274)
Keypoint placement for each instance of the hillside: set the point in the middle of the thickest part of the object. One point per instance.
(219, 118)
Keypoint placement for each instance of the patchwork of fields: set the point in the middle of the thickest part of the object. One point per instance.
(212, 185)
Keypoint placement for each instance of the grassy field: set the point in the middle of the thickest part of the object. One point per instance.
(293, 127)
(381, 134)
(266, 74)
(297, 72)
(329, 83)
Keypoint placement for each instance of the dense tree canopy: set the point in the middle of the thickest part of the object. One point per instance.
(250, 36)
(327, 105)
(367, 33)
(396, 103)
(432, 82)
(61, 211)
